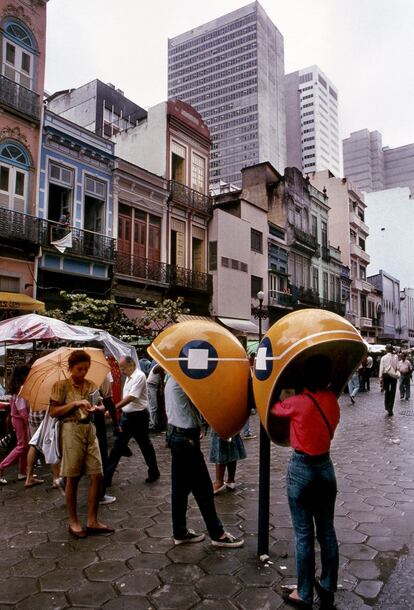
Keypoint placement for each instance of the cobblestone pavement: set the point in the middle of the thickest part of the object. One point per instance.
(41, 567)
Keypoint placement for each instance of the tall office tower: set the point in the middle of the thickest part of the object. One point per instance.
(373, 167)
(231, 70)
(312, 122)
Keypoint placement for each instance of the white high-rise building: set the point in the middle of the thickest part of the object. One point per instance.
(312, 122)
(232, 71)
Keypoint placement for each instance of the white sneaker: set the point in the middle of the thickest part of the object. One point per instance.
(228, 541)
(107, 499)
(189, 538)
(3, 481)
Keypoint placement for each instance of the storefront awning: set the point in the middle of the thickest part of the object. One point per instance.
(16, 300)
(242, 326)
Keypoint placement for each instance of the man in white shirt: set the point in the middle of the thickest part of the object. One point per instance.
(134, 422)
(405, 368)
(388, 374)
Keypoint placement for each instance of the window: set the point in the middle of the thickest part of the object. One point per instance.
(315, 226)
(361, 243)
(9, 284)
(212, 255)
(198, 173)
(256, 285)
(94, 200)
(362, 272)
(256, 240)
(315, 279)
(178, 156)
(325, 281)
(14, 176)
(19, 48)
(324, 234)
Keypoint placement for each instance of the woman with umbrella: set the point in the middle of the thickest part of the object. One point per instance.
(70, 401)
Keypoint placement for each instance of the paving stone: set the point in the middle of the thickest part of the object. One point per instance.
(175, 597)
(128, 603)
(378, 501)
(184, 573)
(15, 589)
(218, 586)
(91, 594)
(369, 588)
(44, 601)
(10, 557)
(137, 582)
(211, 604)
(220, 563)
(33, 567)
(27, 540)
(189, 553)
(119, 551)
(51, 550)
(153, 545)
(80, 559)
(373, 529)
(364, 570)
(357, 551)
(387, 543)
(259, 575)
(106, 571)
(149, 561)
(60, 580)
(253, 598)
(351, 536)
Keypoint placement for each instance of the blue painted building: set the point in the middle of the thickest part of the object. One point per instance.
(75, 210)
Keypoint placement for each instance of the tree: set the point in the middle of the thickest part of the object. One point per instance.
(160, 315)
(104, 314)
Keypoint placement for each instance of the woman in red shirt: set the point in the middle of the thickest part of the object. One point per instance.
(311, 484)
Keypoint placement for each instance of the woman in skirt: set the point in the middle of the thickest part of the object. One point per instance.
(225, 454)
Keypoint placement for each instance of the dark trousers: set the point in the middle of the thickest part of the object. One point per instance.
(390, 385)
(189, 474)
(133, 425)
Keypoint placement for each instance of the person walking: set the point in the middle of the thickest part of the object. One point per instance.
(388, 374)
(133, 423)
(225, 454)
(19, 411)
(353, 385)
(313, 416)
(153, 385)
(69, 401)
(406, 371)
(189, 472)
(368, 372)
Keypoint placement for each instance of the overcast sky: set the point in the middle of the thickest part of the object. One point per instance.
(366, 47)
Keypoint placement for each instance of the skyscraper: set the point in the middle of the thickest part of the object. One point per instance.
(373, 167)
(312, 121)
(231, 70)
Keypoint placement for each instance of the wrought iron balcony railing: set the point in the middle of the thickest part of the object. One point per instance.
(334, 306)
(326, 254)
(193, 199)
(280, 299)
(19, 98)
(306, 296)
(304, 239)
(162, 273)
(17, 227)
(142, 268)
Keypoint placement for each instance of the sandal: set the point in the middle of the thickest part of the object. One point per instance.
(293, 601)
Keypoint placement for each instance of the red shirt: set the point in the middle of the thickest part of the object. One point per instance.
(308, 430)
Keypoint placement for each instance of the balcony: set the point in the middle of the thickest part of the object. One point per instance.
(334, 306)
(359, 252)
(362, 285)
(180, 277)
(304, 241)
(85, 244)
(280, 299)
(159, 273)
(18, 228)
(142, 268)
(305, 296)
(190, 198)
(365, 322)
(357, 222)
(18, 99)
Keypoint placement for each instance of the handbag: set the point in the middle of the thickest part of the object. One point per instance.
(391, 371)
(47, 439)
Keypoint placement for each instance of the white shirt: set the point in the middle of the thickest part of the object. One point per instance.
(387, 361)
(136, 386)
(180, 410)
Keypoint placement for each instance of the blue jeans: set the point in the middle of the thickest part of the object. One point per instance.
(311, 489)
(189, 474)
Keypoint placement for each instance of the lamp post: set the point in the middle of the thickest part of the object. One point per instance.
(264, 463)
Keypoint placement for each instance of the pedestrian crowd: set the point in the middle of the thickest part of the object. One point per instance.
(150, 400)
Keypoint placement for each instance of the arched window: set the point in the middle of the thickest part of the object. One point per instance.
(14, 176)
(18, 53)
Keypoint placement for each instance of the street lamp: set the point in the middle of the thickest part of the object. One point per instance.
(264, 462)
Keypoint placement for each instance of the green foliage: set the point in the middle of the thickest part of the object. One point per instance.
(160, 315)
(104, 314)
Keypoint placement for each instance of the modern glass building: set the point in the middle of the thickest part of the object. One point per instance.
(232, 71)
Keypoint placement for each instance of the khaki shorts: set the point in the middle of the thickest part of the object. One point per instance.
(80, 450)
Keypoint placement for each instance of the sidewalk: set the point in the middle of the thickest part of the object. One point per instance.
(138, 568)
